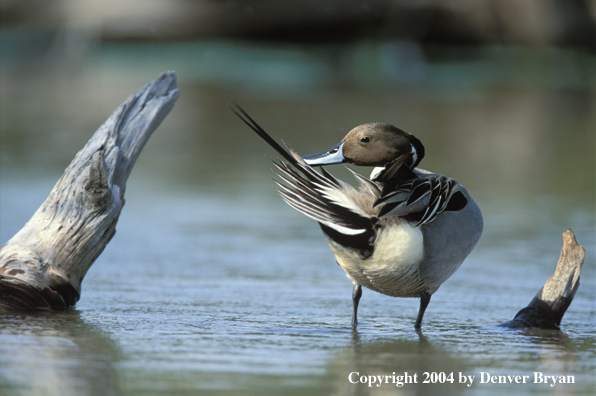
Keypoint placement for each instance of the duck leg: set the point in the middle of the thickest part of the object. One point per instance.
(356, 294)
(424, 300)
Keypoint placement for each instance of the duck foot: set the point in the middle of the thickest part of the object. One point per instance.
(356, 294)
(424, 300)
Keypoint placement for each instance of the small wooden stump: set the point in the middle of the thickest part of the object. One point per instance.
(43, 265)
(547, 308)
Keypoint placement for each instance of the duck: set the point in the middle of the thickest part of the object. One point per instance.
(403, 232)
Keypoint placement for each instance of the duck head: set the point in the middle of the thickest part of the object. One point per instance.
(375, 144)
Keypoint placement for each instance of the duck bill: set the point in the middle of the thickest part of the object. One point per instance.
(334, 155)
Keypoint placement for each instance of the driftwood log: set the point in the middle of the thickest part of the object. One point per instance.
(547, 308)
(43, 265)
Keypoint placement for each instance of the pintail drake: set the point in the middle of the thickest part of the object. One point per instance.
(403, 233)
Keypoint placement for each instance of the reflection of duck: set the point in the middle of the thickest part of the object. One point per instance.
(401, 366)
(404, 233)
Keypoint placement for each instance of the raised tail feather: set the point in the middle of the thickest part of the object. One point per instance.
(319, 196)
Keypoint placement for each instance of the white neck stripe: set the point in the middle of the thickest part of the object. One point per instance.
(415, 157)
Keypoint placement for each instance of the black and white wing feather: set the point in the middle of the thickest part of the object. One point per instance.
(319, 196)
(421, 200)
(323, 198)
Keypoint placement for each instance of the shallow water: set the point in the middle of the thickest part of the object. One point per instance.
(212, 285)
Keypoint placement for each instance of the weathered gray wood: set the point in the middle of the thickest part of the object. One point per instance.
(547, 308)
(43, 265)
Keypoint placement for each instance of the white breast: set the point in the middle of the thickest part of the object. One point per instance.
(393, 267)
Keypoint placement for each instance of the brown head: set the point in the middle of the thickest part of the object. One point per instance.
(374, 144)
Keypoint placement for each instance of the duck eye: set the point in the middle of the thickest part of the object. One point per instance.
(365, 139)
